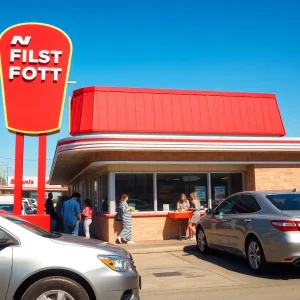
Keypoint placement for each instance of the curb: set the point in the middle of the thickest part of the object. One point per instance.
(191, 248)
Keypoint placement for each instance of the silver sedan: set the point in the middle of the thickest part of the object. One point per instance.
(37, 264)
(262, 227)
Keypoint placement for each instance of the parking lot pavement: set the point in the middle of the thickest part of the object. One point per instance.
(188, 275)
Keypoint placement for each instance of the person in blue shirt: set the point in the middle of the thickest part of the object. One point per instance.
(71, 214)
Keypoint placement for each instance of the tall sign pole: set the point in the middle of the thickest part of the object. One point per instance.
(19, 158)
(35, 62)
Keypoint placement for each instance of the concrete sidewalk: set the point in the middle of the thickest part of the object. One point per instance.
(159, 246)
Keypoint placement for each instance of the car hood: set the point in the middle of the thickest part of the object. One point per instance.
(91, 243)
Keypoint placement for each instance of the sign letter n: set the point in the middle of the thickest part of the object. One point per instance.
(18, 39)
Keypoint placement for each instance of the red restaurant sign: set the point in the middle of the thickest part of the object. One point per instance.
(29, 181)
(34, 67)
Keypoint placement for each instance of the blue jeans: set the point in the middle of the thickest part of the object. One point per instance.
(73, 230)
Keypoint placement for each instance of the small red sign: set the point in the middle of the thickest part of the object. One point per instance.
(34, 66)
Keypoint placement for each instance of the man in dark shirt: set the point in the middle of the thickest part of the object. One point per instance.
(51, 211)
(49, 204)
(71, 214)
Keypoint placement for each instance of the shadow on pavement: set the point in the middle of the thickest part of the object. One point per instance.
(239, 265)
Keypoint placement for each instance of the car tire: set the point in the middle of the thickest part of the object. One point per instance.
(55, 285)
(255, 256)
(201, 241)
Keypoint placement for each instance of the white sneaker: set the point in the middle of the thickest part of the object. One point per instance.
(130, 242)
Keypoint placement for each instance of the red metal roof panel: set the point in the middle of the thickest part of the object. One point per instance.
(98, 109)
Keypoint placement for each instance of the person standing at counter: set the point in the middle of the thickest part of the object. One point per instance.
(71, 214)
(183, 203)
(126, 233)
(87, 214)
(195, 208)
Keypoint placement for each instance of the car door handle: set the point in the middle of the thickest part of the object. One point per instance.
(247, 220)
(223, 221)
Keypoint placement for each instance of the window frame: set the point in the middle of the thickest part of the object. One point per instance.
(136, 173)
(99, 192)
(225, 172)
(112, 183)
(208, 193)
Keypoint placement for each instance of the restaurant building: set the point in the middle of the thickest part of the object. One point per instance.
(155, 144)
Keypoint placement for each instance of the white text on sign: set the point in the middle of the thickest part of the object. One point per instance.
(29, 73)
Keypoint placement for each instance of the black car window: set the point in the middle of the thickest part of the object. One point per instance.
(246, 204)
(285, 201)
(225, 207)
(10, 236)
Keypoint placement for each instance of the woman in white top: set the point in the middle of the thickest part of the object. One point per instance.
(183, 203)
(195, 208)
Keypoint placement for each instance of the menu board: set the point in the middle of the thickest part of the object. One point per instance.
(219, 193)
(200, 192)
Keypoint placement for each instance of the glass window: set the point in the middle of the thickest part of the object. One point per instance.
(139, 188)
(7, 207)
(82, 193)
(94, 193)
(103, 193)
(246, 204)
(33, 195)
(285, 201)
(171, 186)
(226, 207)
(224, 185)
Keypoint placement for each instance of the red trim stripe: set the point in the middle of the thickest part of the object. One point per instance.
(88, 140)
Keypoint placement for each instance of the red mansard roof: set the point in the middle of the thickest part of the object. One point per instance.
(133, 110)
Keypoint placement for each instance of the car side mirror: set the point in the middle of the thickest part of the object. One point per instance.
(209, 211)
(4, 239)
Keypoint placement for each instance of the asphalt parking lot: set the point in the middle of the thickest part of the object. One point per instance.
(187, 274)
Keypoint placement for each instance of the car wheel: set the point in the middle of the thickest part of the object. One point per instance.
(201, 241)
(255, 256)
(55, 288)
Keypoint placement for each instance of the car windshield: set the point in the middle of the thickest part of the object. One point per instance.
(7, 207)
(285, 201)
(32, 228)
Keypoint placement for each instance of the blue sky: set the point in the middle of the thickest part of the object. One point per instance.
(207, 45)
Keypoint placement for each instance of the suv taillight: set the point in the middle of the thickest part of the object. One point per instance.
(286, 225)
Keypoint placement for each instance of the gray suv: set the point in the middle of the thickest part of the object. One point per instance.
(38, 265)
(262, 227)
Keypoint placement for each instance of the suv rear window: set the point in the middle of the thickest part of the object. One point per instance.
(285, 201)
